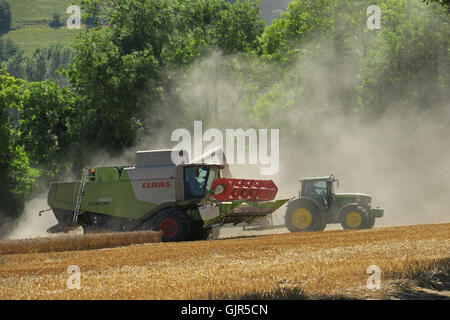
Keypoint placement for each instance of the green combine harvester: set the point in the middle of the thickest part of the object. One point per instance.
(184, 201)
(318, 205)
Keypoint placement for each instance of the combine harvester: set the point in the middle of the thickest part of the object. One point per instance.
(184, 201)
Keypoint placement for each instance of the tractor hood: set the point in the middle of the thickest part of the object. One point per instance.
(343, 195)
(360, 198)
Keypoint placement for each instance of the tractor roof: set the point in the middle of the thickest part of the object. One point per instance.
(330, 178)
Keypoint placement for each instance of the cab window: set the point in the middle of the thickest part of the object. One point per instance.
(195, 179)
(315, 188)
(213, 174)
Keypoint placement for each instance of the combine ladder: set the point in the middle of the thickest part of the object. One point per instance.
(84, 179)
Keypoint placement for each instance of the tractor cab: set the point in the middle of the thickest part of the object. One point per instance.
(321, 189)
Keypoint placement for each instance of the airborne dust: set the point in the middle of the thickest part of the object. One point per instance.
(400, 156)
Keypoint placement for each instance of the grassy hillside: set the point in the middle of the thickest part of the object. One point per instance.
(30, 29)
(29, 39)
(26, 12)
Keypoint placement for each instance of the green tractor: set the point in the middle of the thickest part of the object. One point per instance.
(318, 205)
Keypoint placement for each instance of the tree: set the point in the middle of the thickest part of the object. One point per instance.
(48, 125)
(116, 66)
(111, 82)
(5, 17)
(7, 49)
(36, 66)
(16, 65)
(303, 20)
(408, 65)
(239, 27)
(43, 64)
(17, 178)
(441, 2)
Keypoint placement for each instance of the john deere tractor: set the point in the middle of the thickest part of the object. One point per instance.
(318, 205)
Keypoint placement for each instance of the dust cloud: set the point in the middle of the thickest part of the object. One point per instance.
(400, 157)
(31, 225)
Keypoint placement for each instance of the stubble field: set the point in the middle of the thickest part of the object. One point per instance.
(413, 262)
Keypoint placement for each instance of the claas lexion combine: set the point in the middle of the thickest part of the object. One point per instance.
(184, 201)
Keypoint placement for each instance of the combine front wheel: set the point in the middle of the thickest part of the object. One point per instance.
(173, 223)
(197, 231)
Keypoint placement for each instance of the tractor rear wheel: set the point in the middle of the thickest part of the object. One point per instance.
(173, 223)
(303, 217)
(354, 217)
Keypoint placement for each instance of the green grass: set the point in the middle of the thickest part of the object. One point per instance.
(30, 29)
(25, 11)
(29, 39)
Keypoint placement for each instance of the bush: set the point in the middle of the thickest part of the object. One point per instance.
(56, 20)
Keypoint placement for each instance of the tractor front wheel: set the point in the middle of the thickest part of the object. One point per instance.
(303, 218)
(354, 217)
(371, 221)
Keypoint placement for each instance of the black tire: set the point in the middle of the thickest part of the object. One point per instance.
(98, 223)
(354, 217)
(197, 231)
(320, 226)
(371, 221)
(199, 235)
(173, 222)
(91, 223)
(303, 217)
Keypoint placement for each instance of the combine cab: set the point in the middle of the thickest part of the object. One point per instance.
(185, 201)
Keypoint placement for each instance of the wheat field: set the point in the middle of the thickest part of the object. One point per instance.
(330, 264)
(77, 242)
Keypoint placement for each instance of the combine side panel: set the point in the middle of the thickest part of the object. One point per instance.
(62, 195)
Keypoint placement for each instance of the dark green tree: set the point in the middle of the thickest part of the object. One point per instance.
(5, 17)
(48, 125)
(117, 65)
(7, 49)
(111, 82)
(36, 66)
(16, 65)
(441, 2)
(17, 178)
(303, 20)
